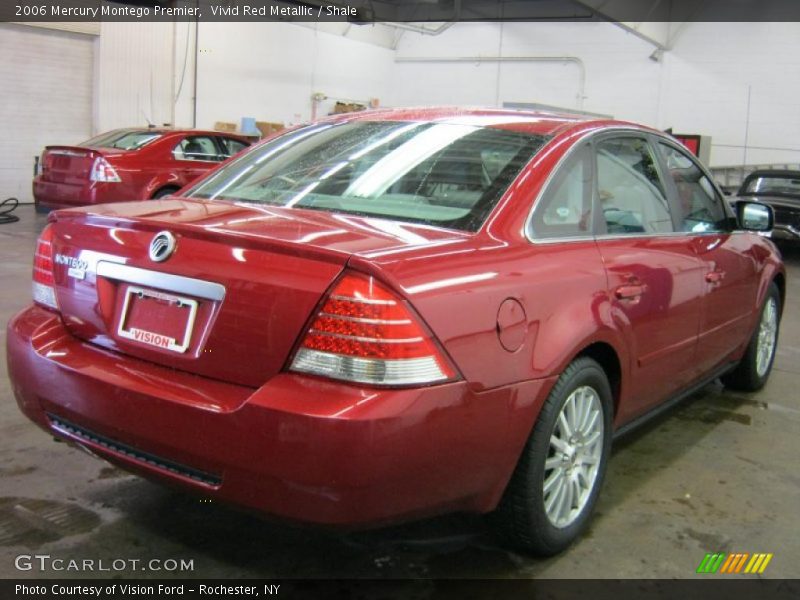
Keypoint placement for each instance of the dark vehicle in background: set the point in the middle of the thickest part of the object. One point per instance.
(128, 164)
(781, 190)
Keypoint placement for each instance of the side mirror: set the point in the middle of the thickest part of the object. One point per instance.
(754, 216)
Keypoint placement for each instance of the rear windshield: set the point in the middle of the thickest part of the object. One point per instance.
(773, 184)
(124, 139)
(443, 174)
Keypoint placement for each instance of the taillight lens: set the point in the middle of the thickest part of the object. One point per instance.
(103, 171)
(44, 292)
(365, 333)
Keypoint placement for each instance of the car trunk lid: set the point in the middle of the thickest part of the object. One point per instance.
(231, 300)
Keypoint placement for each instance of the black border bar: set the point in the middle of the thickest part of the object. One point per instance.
(399, 11)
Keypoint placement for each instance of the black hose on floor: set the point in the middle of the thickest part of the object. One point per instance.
(5, 211)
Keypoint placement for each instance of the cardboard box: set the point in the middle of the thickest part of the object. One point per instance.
(267, 128)
(226, 127)
(347, 107)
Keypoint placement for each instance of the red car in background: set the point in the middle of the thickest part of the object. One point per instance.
(128, 164)
(394, 314)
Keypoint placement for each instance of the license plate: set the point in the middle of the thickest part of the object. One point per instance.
(157, 319)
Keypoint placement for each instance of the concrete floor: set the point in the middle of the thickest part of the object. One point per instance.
(719, 473)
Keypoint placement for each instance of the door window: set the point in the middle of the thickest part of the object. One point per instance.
(196, 148)
(700, 206)
(565, 209)
(630, 191)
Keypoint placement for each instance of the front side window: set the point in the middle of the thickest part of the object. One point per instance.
(629, 188)
(565, 209)
(700, 206)
(196, 148)
(444, 174)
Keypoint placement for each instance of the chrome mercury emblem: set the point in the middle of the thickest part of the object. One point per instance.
(162, 246)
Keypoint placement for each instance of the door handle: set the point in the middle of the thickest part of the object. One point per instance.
(714, 276)
(629, 292)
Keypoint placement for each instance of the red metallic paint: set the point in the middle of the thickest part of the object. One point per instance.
(297, 447)
(143, 173)
(315, 450)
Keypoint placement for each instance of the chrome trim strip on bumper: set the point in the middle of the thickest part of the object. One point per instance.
(161, 281)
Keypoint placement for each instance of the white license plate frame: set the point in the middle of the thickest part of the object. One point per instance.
(157, 340)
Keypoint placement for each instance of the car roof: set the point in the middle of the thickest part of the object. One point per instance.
(169, 130)
(774, 173)
(525, 121)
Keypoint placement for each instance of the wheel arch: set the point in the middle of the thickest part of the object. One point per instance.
(780, 281)
(607, 357)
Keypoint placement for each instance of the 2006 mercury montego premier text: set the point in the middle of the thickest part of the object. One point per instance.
(393, 314)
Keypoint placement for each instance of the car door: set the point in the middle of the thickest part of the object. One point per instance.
(654, 276)
(194, 155)
(730, 279)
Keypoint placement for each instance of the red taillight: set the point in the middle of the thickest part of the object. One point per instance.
(366, 334)
(44, 292)
(103, 171)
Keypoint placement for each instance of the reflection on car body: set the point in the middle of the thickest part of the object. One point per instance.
(393, 314)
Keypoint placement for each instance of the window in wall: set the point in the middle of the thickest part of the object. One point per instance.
(630, 189)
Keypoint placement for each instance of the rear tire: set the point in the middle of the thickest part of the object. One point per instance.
(556, 483)
(753, 371)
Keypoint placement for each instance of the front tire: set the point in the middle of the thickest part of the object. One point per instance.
(752, 372)
(557, 481)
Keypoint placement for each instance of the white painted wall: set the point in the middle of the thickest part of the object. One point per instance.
(134, 75)
(45, 98)
(700, 86)
(707, 78)
(620, 78)
(270, 70)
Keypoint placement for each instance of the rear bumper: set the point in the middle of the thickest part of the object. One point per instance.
(52, 195)
(298, 448)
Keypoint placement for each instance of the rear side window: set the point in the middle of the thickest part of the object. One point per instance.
(231, 146)
(630, 191)
(122, 139)
(444, 174)
(196, 148)
(565, 209)
(700, 206)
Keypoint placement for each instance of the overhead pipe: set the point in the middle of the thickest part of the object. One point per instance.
(427, 30)
(501, 59)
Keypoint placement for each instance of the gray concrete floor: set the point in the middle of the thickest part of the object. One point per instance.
(718, 473)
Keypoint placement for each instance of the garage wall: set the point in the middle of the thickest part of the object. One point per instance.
(716, 69)
(270, 70)
(135, 73)
(45, 98)
(613, 60)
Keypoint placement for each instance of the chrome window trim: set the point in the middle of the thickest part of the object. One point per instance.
(575, 147)
(179, 284)
(633, 236)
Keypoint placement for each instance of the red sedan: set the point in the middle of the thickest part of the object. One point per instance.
(128, 164)
(387, 315)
